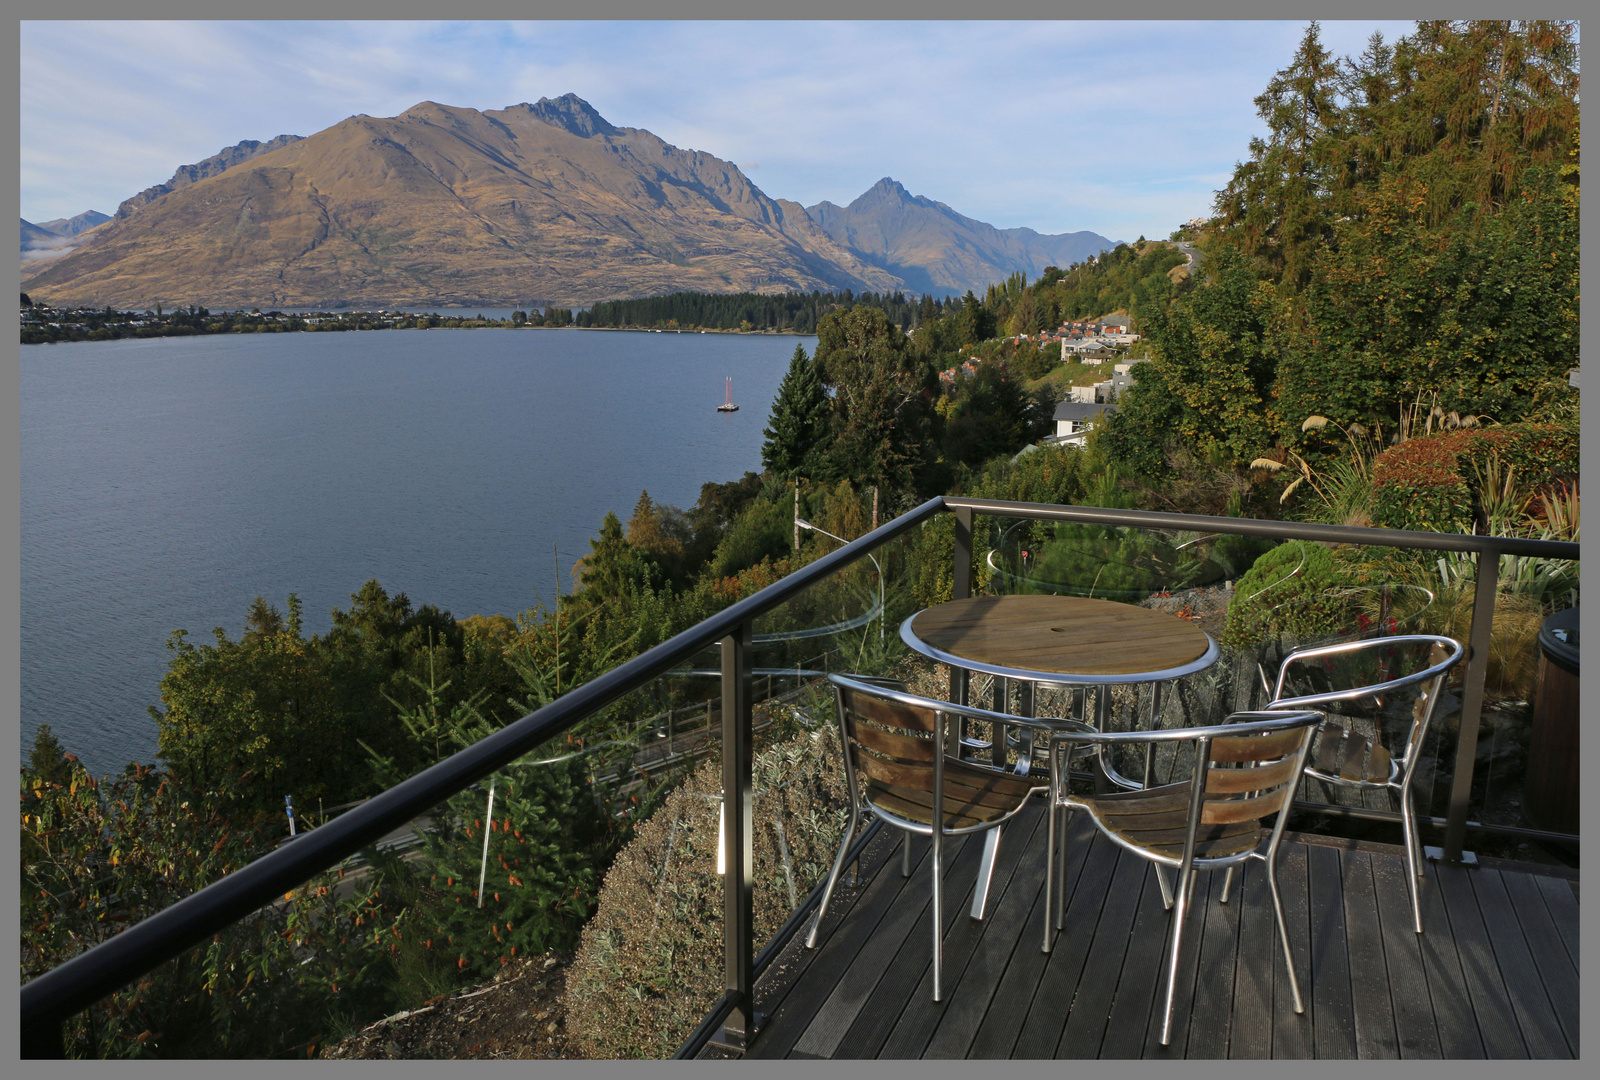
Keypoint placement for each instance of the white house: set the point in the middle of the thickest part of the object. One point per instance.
(1074, 421)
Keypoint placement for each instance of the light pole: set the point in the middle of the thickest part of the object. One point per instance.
(802, 523)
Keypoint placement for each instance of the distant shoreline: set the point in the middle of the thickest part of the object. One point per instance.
(45, 325)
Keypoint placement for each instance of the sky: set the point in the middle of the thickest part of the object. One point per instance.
(1123, 129)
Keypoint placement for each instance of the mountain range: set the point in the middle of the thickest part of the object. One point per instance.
(546, 203)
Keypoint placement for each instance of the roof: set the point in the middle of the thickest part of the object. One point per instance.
(1072, 410)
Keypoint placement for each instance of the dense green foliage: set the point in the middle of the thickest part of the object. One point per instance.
(799, 313)
(1406, 232)
(1433, 483)
(1291, 588)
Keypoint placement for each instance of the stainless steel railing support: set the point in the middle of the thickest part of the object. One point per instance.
(738, 883)
(1455, 830)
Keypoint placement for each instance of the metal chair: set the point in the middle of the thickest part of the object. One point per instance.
(1365, 678)
(1246, 769)
(898, 765)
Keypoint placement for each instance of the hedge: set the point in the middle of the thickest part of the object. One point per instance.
(1429, 483)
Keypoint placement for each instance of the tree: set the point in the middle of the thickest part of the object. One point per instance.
(881, 398)
(799, 421)
(47, 760)
(1275, 202)
(1212, 381)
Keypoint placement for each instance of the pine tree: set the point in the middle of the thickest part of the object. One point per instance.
(47, 759)
(799, 421)
(1276, 202)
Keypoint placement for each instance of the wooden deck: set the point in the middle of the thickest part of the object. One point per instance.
(1494, 976)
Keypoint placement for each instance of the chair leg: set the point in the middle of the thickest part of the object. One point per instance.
(1283, 934)
(1166, 886)
(1227, 883)
(905, 857)
(1413, 863)
(980, 891)
(833, 879)
(1182, 891)
(938, 913)
(1050, 873)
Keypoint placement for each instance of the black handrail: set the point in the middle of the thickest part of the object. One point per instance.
(75, 985)
(58, 994)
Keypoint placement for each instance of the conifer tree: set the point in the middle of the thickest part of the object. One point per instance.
(799, 421)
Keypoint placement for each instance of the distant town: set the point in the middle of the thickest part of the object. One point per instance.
(43, 325)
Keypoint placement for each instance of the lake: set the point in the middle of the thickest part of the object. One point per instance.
(167, 482)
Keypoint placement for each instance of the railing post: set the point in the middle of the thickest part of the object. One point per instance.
(739, 826)
(1455, 830)
(961, 585)
(960, 589)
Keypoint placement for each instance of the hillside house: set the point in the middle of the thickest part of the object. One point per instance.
(1074, 420)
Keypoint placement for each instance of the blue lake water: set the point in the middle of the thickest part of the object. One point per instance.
(167, 482)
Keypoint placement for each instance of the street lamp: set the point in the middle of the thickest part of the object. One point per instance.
(804, 524)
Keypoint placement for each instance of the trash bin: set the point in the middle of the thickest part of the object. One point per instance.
(1550, 792)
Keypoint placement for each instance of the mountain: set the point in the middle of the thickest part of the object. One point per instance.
(41, 245)
(74, 226)
(37, 236)
(444, 206)
(936, 250)
(215, 165)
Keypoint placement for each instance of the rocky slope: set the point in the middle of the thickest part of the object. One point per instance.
(441, 206)
(936, 250)
(215, 165)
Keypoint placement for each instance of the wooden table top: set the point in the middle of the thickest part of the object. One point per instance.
(1060, 635)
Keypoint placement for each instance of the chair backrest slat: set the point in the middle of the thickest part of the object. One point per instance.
(1267, 747)
(1233, 811)
(888, 713)
(891, 745)
(1263, 778)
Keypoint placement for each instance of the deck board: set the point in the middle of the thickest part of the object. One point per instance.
(1494, 975)
(1416, 1031)
(1369, 969)
(1051, 1001)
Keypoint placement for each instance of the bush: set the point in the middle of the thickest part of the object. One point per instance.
(1429, 483)
(1289, 589)
(650, 964)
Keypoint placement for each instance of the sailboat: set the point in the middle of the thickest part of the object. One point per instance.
(727, 404)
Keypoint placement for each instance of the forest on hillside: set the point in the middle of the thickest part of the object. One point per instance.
(1380, 333)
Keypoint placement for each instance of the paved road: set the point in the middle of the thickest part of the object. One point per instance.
(1191, 254)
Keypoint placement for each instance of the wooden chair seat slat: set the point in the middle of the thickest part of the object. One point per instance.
(956, 816)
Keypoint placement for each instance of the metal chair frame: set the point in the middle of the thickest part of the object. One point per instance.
(1401, 767)
(945, 734)
(1238, 726)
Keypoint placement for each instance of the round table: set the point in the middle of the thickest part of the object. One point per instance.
(1074, 641)
(1062, 640)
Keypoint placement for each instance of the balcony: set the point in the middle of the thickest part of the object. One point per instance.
(1495, 975)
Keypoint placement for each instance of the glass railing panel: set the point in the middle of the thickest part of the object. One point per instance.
(846, 623)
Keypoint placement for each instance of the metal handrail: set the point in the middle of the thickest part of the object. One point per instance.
(90, 976)
(58, 994)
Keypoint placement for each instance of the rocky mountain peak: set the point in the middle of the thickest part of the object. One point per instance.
(571, 113)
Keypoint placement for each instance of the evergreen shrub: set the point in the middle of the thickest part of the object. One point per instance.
(1290, 589)
(649, 967)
